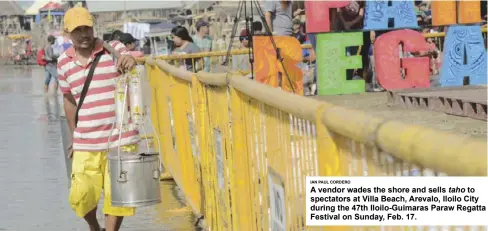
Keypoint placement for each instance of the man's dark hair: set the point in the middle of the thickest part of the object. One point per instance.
(51, 39)
(116, 35)
(257, 26)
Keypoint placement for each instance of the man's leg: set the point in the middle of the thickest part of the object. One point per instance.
(86, 186)
(54, 74)
(47, 79)
(114, 215)
(91, 219)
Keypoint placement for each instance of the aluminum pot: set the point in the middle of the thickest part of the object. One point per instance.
(134, 178)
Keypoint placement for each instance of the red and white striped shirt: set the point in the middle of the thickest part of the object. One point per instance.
(97, 114)
(118, 46)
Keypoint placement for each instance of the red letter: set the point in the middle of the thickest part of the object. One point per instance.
(317, 12)
(388, 64)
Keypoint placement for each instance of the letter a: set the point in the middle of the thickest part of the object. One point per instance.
(464, 56)
(312, 190)
(378, 12)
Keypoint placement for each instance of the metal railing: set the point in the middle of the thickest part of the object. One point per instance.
(226, 138)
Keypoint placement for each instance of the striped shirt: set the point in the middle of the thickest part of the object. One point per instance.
(118, 46)
(97, 114)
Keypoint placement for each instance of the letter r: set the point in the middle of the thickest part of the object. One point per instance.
(318, 14)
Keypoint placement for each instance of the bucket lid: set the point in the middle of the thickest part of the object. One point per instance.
(113, 155)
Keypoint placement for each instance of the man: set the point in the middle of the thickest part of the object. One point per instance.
(203, 41)
(51, 61)
(278, 14)
(96, 117)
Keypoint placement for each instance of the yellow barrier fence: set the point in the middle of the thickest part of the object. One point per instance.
(240, 150)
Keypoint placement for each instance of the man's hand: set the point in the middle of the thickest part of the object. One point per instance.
(70, 151)
(125, 63)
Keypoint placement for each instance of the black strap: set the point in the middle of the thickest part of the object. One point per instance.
(88, 80)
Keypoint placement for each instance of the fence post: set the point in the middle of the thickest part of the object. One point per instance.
(202, 128)
(327, 155)
(239, 174)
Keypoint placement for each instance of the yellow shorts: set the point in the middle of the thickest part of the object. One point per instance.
(88, 177)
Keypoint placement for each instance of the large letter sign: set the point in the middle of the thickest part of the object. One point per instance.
(445, 12)
(267, 67)
(332, 63)
(378, 12)
(318, 14)
(464, 56)
(388, 62)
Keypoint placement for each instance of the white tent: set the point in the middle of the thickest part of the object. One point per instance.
(37, 5)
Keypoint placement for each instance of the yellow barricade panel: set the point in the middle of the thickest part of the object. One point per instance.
(241, 151)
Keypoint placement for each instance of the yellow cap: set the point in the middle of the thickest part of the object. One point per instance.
(75, 17)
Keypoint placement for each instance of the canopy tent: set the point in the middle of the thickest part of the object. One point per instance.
(53, 13)
(52, 6)
(37, 5)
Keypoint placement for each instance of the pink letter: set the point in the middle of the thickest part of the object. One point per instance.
(317, 13)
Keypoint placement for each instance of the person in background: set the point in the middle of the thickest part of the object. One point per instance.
(298, 32)
(241, 63)
(278, 16)
(257, 26)
(51, 62)
(115, 41)
(183, 44)
(130, 43)
(147, 46)
(94, 133)
(220, 46)
(116, 35)
(203, 41)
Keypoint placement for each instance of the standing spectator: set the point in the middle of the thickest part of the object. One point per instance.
(51, 62)
(183, 44)
(241, 62)
(278, 16)
(203, 41)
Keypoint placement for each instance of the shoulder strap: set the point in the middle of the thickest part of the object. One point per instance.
(88, 80)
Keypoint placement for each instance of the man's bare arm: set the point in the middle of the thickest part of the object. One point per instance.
(268, 21)
(70, 110)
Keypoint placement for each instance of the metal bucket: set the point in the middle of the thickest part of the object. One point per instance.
(66, 136)
(134, 178)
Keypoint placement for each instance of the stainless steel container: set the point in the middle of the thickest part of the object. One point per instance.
(66, 136)
(134, 178)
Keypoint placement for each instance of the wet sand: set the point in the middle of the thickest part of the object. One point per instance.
(376, 104)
